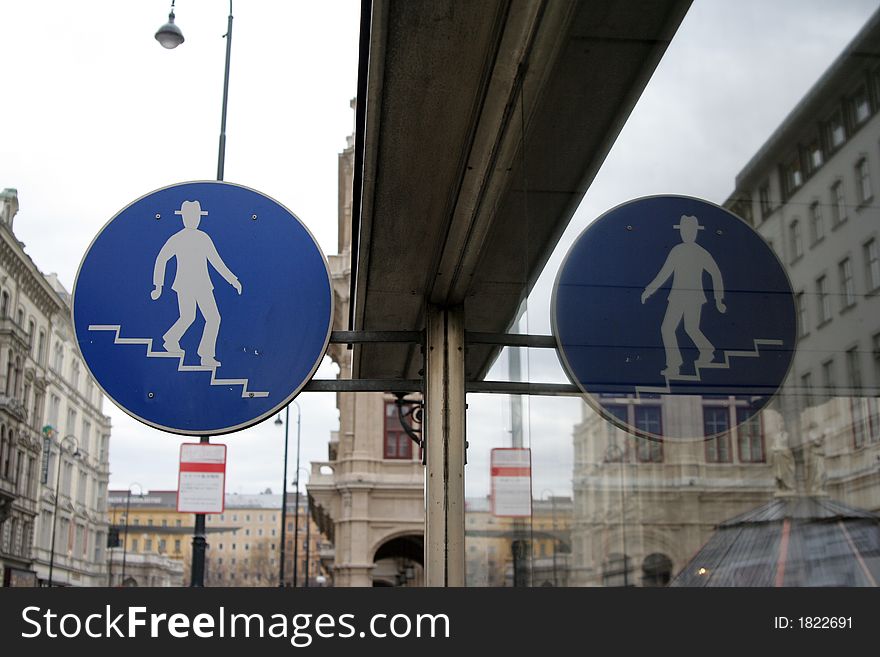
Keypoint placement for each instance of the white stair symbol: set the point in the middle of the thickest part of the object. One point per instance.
(148, 343)
(720, 365)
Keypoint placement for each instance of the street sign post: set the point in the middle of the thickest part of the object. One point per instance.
(203, 308)
(669, 297)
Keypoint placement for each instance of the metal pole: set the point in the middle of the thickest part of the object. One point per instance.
(296, 507)
(110, 552)
(308, 526)
(125, 534)
(55, 513)
(284, 499)
(197, 578)
(221, 158)
(555, 539)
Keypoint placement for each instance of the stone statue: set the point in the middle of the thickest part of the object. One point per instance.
(814, 459)
(783, 465)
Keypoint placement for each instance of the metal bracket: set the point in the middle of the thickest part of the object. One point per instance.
(407, 386)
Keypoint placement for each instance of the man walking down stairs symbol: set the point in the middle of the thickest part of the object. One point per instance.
(193, 249)
(686, 263)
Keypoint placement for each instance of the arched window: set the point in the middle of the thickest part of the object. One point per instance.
(10, 373)
(16, 384)
(656, 570)
(4, 450)
(59, 358)
(19, 317)
(74, 374)
(41, 347)
(32, 329)
(4, 304)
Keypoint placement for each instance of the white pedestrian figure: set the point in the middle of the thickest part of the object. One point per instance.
(686, 263)
(193, 250)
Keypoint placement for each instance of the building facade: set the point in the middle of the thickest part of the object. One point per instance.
(369, 493)
(244, 542)
(643, 508)
(54, 437)
(489, 543)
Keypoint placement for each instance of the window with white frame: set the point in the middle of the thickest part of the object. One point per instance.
(716, 423)
(795, 240)
(807, 388)
(800, 302)
(872, 264)
(828, 382)
(823, 300)
(817, 225)
(861, 106)
(863, 180)
(749, 437)
(838, 204)
(847, 284)
(836, 130)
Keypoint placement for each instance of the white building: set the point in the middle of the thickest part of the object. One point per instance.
(49, 406)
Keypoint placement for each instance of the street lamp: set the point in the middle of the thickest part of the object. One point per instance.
(125, 533)
(170, 36)
(75, 453)
(308, 520)
(286, 422)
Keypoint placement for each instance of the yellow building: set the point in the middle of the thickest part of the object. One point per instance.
(489, 543)
(249, 553)
(244, 542)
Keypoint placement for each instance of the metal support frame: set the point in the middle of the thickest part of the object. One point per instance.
(416, 385)
(445, 433)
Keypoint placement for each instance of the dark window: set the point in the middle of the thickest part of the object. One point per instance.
(750, 437)
(716, 423)
(649, 420)
(398, 445)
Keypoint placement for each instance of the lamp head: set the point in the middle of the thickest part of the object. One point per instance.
(169, 35)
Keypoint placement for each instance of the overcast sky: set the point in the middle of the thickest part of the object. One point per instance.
(96, 114)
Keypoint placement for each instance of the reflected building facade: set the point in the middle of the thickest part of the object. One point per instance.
(643, 509)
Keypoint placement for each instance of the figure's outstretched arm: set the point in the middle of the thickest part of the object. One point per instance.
(717, 283)
(664, 273)
(165, 254)
(215, 259)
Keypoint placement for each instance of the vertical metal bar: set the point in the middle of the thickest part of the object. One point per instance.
(221, 158)
(197, 578)
(296, 503)
(284, 499)
(445, 426)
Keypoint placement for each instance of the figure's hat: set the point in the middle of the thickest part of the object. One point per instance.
(191, 207)
(686, 221)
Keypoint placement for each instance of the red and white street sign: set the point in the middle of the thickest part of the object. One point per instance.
(511, 482)
(201, 481)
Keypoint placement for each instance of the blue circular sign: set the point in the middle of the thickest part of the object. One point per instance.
(203, 308)
(665, 297)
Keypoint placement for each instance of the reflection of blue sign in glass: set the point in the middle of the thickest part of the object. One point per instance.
(203, 308)
(667, 296)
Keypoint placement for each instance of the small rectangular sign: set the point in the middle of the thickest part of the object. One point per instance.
(201, 480)
(511, 482)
